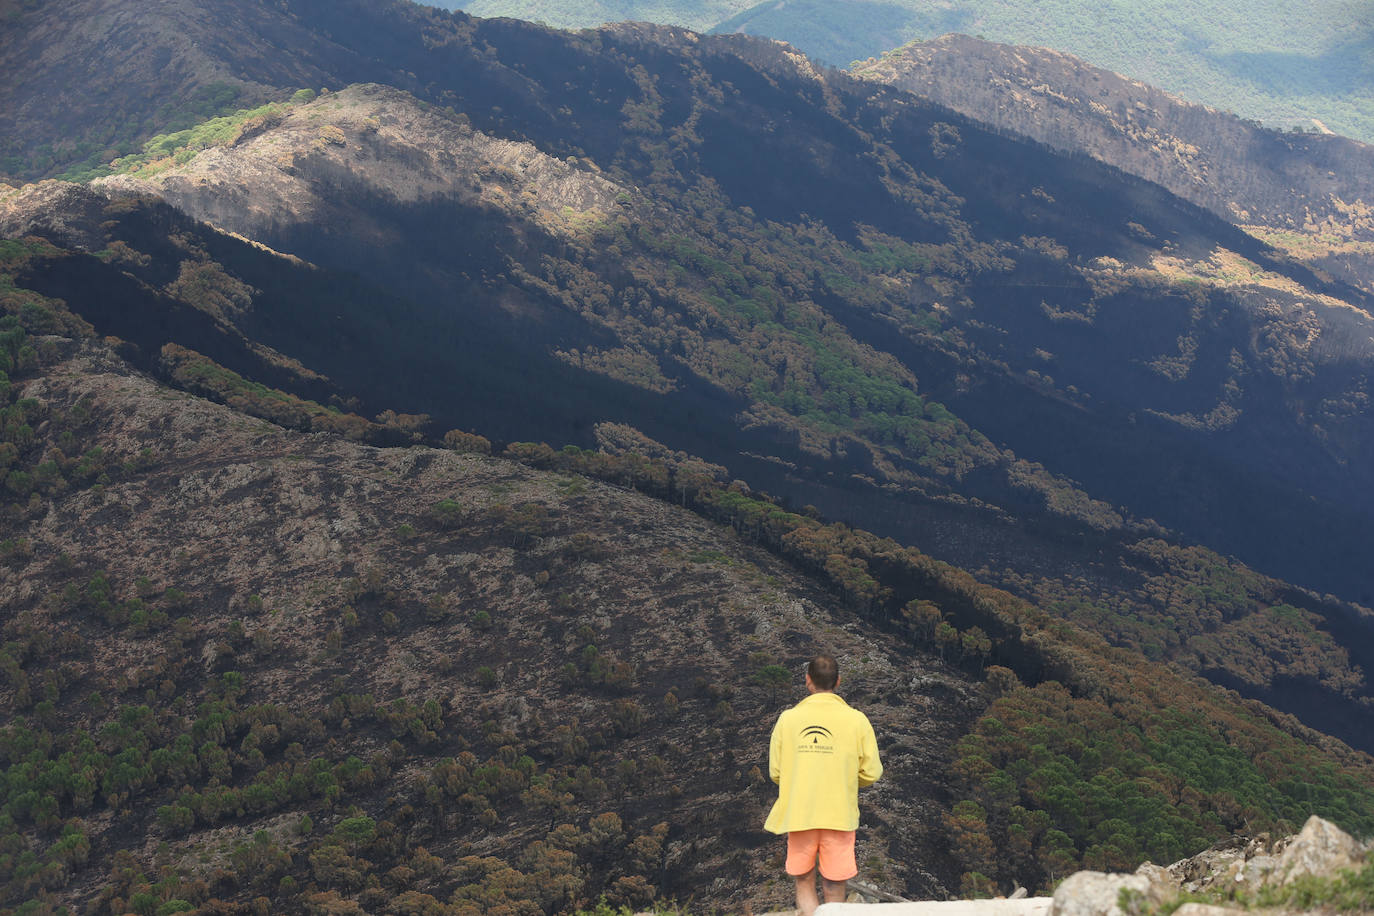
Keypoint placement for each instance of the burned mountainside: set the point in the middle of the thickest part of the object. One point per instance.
(1042, 440)
(460, 651)
(843, 292)
(1024, 364)
(248, 667)
(1306, 193)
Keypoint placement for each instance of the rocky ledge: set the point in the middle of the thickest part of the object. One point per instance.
(1232, 877)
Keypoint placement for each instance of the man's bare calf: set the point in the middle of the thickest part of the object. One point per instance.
(807, 901)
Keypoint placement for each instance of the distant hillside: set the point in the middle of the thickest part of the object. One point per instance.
(1308, 194)
(698, 15)
(1276, 62)
(87, 90)
(1288, 66)
(692, 320)
(1023, 362)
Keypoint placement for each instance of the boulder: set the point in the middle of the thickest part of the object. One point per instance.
(1254, 872)
(1093, 893)
(1232, 865)
(1211, 866)
(1158, 875)
(1321, 849)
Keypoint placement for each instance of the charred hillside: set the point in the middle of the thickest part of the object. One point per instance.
(1307, 193)
(704, 127)
(449, 655)
(1024, 362)
(1044, 442)
(249, 667)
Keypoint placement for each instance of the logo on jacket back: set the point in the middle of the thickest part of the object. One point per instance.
(816, 739)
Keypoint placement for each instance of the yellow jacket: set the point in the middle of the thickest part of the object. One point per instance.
(822, 751)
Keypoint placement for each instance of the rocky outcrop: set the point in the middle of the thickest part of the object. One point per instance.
(1094, 893)
(1320, 850)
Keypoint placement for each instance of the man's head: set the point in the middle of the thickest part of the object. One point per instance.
(823, 672)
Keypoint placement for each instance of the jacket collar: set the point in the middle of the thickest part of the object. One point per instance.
(823, 698)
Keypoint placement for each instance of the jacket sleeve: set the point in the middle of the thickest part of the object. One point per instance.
(775, 752)
(870, 767)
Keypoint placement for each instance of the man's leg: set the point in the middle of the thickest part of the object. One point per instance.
(802, 851)
(806, 893)
(835, 850)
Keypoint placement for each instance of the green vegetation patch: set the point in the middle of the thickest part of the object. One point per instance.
(1351, 892)
(178, 147)
(202, 375)
(1063, 783)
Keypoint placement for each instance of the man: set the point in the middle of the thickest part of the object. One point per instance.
(821, 753)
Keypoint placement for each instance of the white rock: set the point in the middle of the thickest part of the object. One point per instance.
(1094, 893)
(1254, 872)
(1158, 874)
(1321, 849)
(1205, 909)
(1025, 906)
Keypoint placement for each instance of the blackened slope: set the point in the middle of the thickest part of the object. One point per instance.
(676, 117)
(1237, 169)
(90, 79)
(398, 661)
(468, 369)
(787, 144)
(783, 137)
(670, 111)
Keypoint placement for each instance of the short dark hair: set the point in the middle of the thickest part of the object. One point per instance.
(824, 672)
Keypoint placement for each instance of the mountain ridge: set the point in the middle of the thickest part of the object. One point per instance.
(1225, 55)
(552, 294)
(1272, 184)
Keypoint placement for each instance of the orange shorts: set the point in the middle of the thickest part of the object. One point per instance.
(834, 848)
